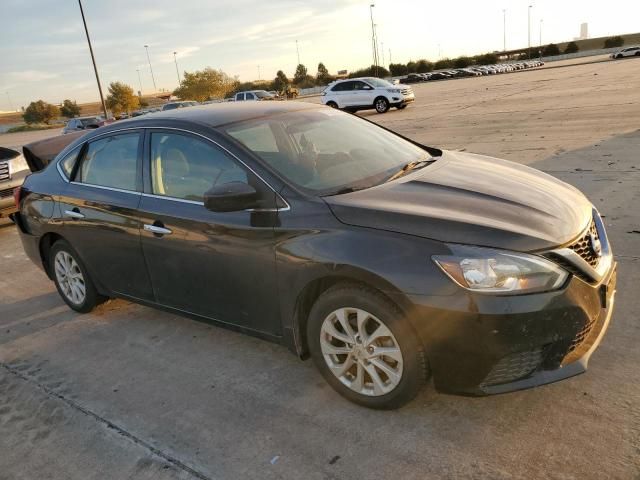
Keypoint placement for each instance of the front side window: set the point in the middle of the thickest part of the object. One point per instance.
(240, 96)
(185, 167)
(111, 162)
(325, 151)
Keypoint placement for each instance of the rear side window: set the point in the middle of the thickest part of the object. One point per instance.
(69, 161)
(240, 96)
(249, 96)
(111, 162)
(342, 87)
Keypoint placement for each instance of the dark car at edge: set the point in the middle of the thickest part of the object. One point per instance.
(386, 261)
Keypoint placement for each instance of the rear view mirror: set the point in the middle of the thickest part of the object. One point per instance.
(230, 197)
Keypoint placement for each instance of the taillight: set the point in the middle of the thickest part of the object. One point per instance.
(17, 196)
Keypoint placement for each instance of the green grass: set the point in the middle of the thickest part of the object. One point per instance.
(31, 127)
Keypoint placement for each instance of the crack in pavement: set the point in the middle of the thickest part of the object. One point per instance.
(109, 424)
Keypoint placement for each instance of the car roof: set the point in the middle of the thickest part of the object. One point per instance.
(216, 114)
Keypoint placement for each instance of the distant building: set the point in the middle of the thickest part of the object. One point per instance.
(342, 74)
(584, 31)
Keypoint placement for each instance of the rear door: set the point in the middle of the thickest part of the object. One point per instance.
(218, 265)
(340, 91)
(99, 211)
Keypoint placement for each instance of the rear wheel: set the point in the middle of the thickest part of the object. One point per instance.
(638, 53)
(332, 104)
(381, 105)
(72, 279)
(365, 348)
(619, 56)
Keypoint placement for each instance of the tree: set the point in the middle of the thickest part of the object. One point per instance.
(461, 62)
(613, 42)
(322, 77)
(40, 112)
(398, 69)
(423, 66)
(121, 98)
(371, 71)
(143, 102)
(300, 75)
(206, 84)
(486, 59)
(412, 67)
(281, 81)
(444, 63)
(69, 109)
(551, 50)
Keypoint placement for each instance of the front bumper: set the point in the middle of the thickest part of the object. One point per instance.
(483, 345)
(7, 203)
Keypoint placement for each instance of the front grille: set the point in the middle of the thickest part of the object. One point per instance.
(570, 267)
(406, 91)
(513, 367)
(7, 192)
(584, 247)
(5, 172)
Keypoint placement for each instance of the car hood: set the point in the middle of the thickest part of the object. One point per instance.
(472, 199)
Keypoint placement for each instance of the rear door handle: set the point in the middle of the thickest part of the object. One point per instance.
(157, 230)
(75, 214)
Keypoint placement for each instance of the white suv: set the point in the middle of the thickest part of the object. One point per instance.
(355, 94)
(626, 52)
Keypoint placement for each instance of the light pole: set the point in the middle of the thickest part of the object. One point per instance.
(529, 29)
(258, 72)
(439, 52)
(151, 68)
(390, 62)
(93, 60)
(139, 80)
(298, 52)
(541, 32)
(373, 39)
(382, 50)
(504, 30)
(175, 59)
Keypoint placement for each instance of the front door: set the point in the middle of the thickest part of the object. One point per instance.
(99, 211)
(217, 265)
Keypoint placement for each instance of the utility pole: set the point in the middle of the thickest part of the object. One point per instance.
(390, 62)
(541, 33)
(504, 30)
(373, 39)
(139, 80)
(153, 79)
(93, 60)
(175, 59)
(529, 29)
(298, 52)
(258, 72)
(382, 50)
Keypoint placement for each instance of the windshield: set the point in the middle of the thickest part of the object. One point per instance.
(378, 82)
(88, 121)
(326, 151)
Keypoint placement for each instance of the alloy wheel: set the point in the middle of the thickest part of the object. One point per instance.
(70, 278)
(381, 105)
(361, 351)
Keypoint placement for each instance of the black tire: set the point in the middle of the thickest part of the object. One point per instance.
(332, 104)
(619, 56)
(402, 107)
(415, 371)
(91, 296)
(638, 54)
(381, 105)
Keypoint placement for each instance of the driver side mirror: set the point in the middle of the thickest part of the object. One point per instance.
(230, 197)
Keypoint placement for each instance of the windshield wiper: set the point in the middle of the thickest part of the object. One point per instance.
(411, 166)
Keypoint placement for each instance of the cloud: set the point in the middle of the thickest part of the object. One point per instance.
(30, 76)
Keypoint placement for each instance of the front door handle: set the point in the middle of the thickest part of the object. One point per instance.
(75, 214)
(156, 230)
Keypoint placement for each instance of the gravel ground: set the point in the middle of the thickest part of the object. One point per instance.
(130, 392)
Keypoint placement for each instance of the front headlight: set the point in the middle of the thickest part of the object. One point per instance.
(394, 90)
(497, 271)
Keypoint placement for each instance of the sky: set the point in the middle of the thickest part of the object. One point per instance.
(44, 53)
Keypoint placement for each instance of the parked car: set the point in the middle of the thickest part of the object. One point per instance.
(181, 104)
(13, 170)
(438, 76)
(412, 78)
(253, 95)
(626, 52)
(82, 123)
(385, 260)
(366, 93)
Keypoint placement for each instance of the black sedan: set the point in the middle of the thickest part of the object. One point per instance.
(384, 260)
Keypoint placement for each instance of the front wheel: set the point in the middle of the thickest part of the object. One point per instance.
(332, 104)
(365, 348)
(402, 106)
(72, 279)
(381, 105)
